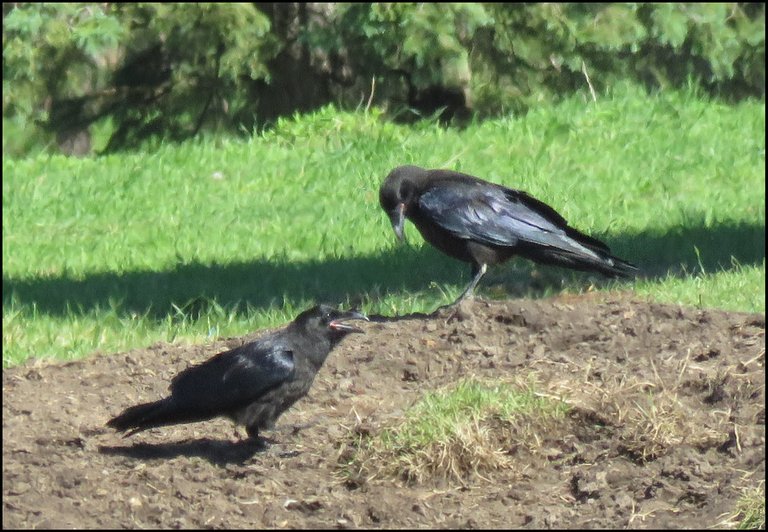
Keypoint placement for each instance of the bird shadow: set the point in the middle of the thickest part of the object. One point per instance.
(217, 452)
(189, 290)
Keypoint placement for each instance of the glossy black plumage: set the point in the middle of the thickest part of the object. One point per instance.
(484, 223)
(252, 384)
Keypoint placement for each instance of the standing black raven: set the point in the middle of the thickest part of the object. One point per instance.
(484, 223)
(252, 384)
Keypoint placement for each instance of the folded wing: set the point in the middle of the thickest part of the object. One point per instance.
(498, 216)
(232, 379)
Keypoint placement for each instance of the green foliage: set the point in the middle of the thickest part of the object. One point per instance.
(50, 50)
(207, 49)
(596, 46)
(152, 69)
(428, 42)
(63, 35)
(167, 71)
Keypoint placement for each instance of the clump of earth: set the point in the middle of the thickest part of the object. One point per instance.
(665, 427)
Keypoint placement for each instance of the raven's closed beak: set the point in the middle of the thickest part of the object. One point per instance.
(398, 220)
(340, 323)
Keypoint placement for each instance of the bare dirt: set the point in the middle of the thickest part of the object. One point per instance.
(666, 428)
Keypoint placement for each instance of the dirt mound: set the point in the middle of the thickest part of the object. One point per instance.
(665, 429)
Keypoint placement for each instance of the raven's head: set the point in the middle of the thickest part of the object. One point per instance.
(329, 321)
(398, 194)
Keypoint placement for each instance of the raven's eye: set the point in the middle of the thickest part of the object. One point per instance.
(327, 316)
(405, 192)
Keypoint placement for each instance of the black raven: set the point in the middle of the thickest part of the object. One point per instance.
(484, 223)
(252, 384)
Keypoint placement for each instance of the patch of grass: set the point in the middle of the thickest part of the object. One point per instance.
(100, 254)
(468, 428)
(750, 510)
(67, 337)
(738, 288)
(749, 513)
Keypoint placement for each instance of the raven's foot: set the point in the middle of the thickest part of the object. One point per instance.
(256, 439)
(460, 310)
(259, 444)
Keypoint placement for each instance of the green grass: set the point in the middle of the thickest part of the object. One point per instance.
(750, 510)
(441, 416)
(219, 237)
(466, 428)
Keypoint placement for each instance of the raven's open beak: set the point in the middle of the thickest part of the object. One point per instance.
(397, 218)
(340, 323)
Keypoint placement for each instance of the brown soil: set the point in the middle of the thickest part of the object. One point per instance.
(666, 428)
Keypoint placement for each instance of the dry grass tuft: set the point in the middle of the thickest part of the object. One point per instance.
(647, 414)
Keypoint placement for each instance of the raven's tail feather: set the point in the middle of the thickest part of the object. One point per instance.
(583, 252)
(144, 416)
(577, 251)
(600, 261)
(621, 268)
(615, 267)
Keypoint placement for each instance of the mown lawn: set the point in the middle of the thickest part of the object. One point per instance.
(219, 237)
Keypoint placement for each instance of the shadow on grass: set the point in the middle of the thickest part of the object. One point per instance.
(263, 284)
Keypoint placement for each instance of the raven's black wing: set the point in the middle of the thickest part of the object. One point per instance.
(232, 379)
(498, 216)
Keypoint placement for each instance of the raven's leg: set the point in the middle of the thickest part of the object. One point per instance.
(253, 431)
(253, 435)
(255, 442)
(477, 271)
